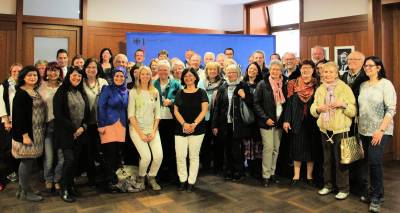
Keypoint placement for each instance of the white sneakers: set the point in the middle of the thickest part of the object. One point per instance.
(324, 191)
(341, 195)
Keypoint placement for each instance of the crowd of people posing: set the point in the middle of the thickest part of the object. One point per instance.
(176, 112)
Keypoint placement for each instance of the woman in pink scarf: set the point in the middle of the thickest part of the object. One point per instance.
(269, 102)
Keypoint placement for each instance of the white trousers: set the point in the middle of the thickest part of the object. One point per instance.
(182, 145)
(146, 152)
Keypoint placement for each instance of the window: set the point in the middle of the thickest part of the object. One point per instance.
(284, 19)
(59, 8)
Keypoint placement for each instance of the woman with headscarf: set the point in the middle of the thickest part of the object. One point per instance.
(112, 121)
(299, 123)
(71, 110)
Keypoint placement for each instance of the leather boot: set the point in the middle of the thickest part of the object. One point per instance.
(153, 184)
(30, 196)
(140, 183)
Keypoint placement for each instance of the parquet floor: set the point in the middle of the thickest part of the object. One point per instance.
(212, 194)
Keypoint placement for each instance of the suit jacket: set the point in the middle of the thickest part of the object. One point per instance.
(355, 86)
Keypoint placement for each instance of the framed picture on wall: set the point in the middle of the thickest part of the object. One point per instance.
(326, 51)
(341, 53)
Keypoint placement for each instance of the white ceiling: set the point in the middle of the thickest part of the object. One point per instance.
(224, 2)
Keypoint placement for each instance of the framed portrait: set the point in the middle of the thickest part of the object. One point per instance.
(341, 53)
(326, 51)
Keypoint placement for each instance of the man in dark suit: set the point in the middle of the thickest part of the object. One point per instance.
(343, 67)
(318, 54)
(354, 77)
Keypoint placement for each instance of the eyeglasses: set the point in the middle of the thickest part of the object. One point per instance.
(369, 66)
(353, 59)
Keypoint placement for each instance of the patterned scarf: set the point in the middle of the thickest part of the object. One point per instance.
(329, 99)
(304, 90)
(277, 89)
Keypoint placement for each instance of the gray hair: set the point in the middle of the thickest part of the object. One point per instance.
(276, 62)
(163, 63)
(209, 53)
(235, 68)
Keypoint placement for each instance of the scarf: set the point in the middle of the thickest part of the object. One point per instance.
(120, 88)
(329, 99)
(209, 86)
(277, 90)
(304, 90)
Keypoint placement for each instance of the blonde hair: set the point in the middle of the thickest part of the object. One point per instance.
(164, 63)
(120, 55)
(40, 62)
(210, 65)
(150, 85)
(331, 65)
(235, 68)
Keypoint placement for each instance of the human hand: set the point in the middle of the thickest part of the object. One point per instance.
(167, 102)
(215, 131)
(270, 122)
(241, 93)
(286, 127)
(377, 137)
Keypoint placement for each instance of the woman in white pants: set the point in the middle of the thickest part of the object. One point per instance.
(191, 105)
(144, 116)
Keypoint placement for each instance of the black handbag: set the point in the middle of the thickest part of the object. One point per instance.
(246, 113)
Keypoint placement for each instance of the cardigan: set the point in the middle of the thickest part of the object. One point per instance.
(112, 106)
(22, 115)
(63, 127)
(342, 119)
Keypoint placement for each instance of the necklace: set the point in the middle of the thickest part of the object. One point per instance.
(93, 88)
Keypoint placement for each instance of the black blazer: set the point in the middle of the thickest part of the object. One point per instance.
(63, 127)
(355, 86)
(22, 115)
(220, 111)
(264, 103)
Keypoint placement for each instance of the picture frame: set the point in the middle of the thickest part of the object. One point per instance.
(341, 53)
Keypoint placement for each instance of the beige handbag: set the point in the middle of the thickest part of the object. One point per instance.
(351, 149)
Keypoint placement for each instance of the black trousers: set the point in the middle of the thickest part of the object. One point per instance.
(166, 128)
(112, 161)
(8, 164)
(207, 148)
(71, 163)
(90, 151)
(233, 154)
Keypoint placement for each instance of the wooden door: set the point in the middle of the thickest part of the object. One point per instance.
(30, 31)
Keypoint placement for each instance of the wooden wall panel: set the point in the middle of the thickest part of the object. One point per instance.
(334, 32)
(7, 44)
(258, 21)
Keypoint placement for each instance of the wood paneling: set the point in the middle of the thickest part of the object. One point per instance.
(334, 32)
(7, 44)
(32, 30)
(258, 21)
(113, 35)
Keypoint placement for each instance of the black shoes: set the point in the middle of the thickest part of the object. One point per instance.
(66, 196)
(74, 192)
(182, 186)
(294, 182)
(266, 182)
(274, 179)
(190, 187)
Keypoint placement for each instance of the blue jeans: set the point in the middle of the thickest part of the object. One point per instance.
(374, 154)
(53, 164)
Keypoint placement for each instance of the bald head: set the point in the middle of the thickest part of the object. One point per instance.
(317, 54)
(355, 61)
(289, 60)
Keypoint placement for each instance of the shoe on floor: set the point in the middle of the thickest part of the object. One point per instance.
(13, 177)
(341, 195)
(324, 191)
(274, 179)
(266, 182)
(190, 187)
(374, 207)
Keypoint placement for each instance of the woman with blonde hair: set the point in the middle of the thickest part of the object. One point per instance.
(144, 117)
(334, 106)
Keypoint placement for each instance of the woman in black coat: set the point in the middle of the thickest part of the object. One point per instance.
(227, 123)
(299, 123)
(28, 122)
(71, 110)
(269, 105)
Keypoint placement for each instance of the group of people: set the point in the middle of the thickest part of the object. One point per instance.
(173, 110)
